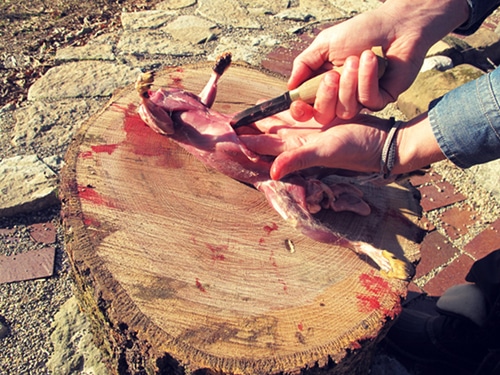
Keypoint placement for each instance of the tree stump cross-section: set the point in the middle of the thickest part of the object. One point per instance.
(186, 271)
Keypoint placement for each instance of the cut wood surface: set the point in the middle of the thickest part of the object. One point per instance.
(185, 270)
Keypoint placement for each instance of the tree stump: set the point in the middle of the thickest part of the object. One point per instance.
(186, 271)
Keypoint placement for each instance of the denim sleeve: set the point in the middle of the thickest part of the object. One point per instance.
(479, 10)
(466, 121)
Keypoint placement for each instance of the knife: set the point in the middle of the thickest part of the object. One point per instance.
(305, 92)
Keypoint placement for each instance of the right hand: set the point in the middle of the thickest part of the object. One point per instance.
(349, 44)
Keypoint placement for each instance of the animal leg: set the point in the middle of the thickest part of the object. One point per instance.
(390, 266)
(209, 92)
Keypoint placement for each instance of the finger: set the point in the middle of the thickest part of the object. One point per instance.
(301, 70)
(271, 124)
(264, 144)
(325, 104)
(368, 82)
(294, 160)
(301, 111)
(348, 106)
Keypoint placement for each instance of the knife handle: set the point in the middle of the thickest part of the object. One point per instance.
(307, 91)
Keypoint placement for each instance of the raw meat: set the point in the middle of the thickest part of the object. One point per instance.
(187, 119)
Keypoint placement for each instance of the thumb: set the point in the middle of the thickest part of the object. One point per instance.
(294, 160)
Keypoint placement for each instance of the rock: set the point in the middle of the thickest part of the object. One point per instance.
(241, 50)
(82, 79)
(74, 351)
(53, 123)
(487, 174)
(27, 184)
(228, 13)
(320, 10)
(175, 4)
(54, 162)
(154, 43)
(295, 14)
(148, 19)
(191, 29)
(433, 84)
(93, 51)
(482, 38)
(266, 6)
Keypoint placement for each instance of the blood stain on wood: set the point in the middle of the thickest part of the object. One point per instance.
(85, 154)
(109, 149)
(366, 303)
(374, 284)
(200, 286)
(89, 194)
(217, 251)
(91, 222)
(270, 228)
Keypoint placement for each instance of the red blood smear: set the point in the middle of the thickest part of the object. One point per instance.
(142, 140)
(85, 154)
(91, 222)
(105, 148)
(199, 286)
(89, 194)
(374, 284)
(355, 345)
(377, 287)
(217, 251)
(268, 229)
(367, 304)
(300, 326)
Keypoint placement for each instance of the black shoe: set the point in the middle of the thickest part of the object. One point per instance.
(448, 340)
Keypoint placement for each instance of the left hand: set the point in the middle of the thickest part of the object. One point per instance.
(354, 145)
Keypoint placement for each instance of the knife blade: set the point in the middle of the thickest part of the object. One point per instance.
(306, 92)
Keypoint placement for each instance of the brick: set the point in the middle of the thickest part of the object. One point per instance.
(33, 264)
(485, 242)
(452, 274)
(43, 232)
(435, 251)
(439, 194)
(458, 220)
(417, 180)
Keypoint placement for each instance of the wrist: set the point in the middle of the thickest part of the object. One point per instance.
(415, 146)
(427, 21)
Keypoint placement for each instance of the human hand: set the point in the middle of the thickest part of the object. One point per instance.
(404, 29)
(354, 145)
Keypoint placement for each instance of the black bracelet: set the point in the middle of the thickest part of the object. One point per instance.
(388, 157)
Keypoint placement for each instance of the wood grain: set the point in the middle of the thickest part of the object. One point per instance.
(185, 270)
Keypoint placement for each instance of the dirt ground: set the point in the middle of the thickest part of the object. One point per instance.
(32, 30)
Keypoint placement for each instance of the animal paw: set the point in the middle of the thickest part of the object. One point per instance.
(399, 269)
(144, 83)
(222, 63)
